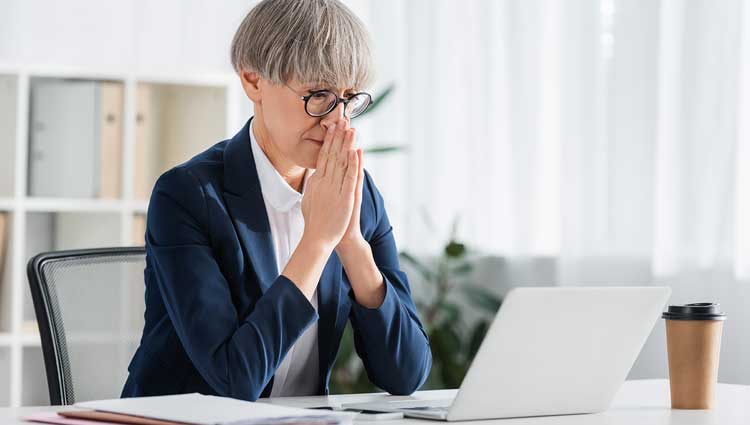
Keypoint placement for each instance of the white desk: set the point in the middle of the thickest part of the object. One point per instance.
(643, 402)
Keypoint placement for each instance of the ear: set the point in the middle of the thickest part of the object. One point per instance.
(251, 85)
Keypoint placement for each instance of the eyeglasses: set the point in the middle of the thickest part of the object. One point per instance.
(321, 102)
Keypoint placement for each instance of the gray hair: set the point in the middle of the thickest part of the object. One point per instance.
(312, 41)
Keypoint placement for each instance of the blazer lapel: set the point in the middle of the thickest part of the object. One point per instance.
(245, 204)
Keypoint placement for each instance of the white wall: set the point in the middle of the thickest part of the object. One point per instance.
(145, 36)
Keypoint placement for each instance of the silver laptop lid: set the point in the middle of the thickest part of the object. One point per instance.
(559, 350)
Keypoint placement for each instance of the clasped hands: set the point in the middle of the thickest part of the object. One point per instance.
(331, 204)
(331, 207)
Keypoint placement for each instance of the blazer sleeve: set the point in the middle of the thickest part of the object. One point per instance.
(237, 356)
(390, 339)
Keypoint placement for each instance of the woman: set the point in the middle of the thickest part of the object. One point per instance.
(259, 249)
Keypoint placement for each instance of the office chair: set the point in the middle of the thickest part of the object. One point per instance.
(89, 307)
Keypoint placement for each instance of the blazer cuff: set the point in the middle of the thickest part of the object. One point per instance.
(286, 292)
(380, 315)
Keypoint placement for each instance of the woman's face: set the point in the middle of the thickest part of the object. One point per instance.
(295, 135)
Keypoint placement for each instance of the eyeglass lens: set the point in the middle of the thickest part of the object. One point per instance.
(321, 103)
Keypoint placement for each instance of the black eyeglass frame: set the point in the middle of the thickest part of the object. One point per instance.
(336, 103)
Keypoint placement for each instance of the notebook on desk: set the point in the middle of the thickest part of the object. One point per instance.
(201, 409)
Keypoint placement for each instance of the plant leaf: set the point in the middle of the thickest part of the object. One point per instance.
(378, 100)
(426, 273)
(453, 373)
(450, 312)
(455, 249)
(463, 269)
(477, 336)
(346, 347)
(385, 149)
(446, 341)
(481, 297)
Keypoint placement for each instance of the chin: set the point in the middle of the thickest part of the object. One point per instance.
(309, 158)
(309, 162)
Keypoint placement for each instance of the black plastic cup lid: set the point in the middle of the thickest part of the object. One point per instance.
(695, 311)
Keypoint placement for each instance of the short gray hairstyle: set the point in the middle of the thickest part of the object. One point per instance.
(312, 41)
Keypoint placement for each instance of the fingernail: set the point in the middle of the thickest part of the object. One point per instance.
(331, 128)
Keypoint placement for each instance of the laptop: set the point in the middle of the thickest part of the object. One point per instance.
(548, 351)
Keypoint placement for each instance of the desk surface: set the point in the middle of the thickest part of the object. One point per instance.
(642, 402)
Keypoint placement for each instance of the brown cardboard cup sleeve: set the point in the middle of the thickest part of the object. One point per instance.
(693, 347)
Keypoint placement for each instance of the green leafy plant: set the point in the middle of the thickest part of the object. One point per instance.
(454, 340)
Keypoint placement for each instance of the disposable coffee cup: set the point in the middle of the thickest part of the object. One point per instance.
(693, 346)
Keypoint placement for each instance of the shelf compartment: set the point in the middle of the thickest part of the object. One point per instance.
(174, 123)
(34, 389)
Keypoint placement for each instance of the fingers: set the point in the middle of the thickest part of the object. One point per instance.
(350, 179)
(361, 173)
(321, 166)
(339, 172)
(338, 162)
(343, 126)
(344, 161)
(335, 150)
(348, 143)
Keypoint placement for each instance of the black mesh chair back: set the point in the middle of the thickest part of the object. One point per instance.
(89, 306)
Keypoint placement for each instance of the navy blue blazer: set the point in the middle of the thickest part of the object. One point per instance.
(219, 316)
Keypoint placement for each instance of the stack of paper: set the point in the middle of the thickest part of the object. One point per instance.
(200, 409)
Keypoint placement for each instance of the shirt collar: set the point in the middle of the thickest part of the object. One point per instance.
(275, 189)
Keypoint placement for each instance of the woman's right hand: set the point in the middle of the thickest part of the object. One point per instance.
(328, 199)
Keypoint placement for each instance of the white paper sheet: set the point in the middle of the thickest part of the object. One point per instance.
(211, 410)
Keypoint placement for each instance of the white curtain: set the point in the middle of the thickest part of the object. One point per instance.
(610, 136)
(571, 129)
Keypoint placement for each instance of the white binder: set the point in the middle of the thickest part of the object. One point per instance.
(75, 133)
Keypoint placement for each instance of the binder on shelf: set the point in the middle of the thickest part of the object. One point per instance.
(5, 295)
(144, 153)
(110, 139)
(75, 138)
(139, 230)
(63, 152)
(4, 243)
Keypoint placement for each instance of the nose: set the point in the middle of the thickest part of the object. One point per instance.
(333, 117)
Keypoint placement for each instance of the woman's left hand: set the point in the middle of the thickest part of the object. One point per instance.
(353, 234)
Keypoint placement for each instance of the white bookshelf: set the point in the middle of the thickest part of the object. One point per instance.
(189, 113)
